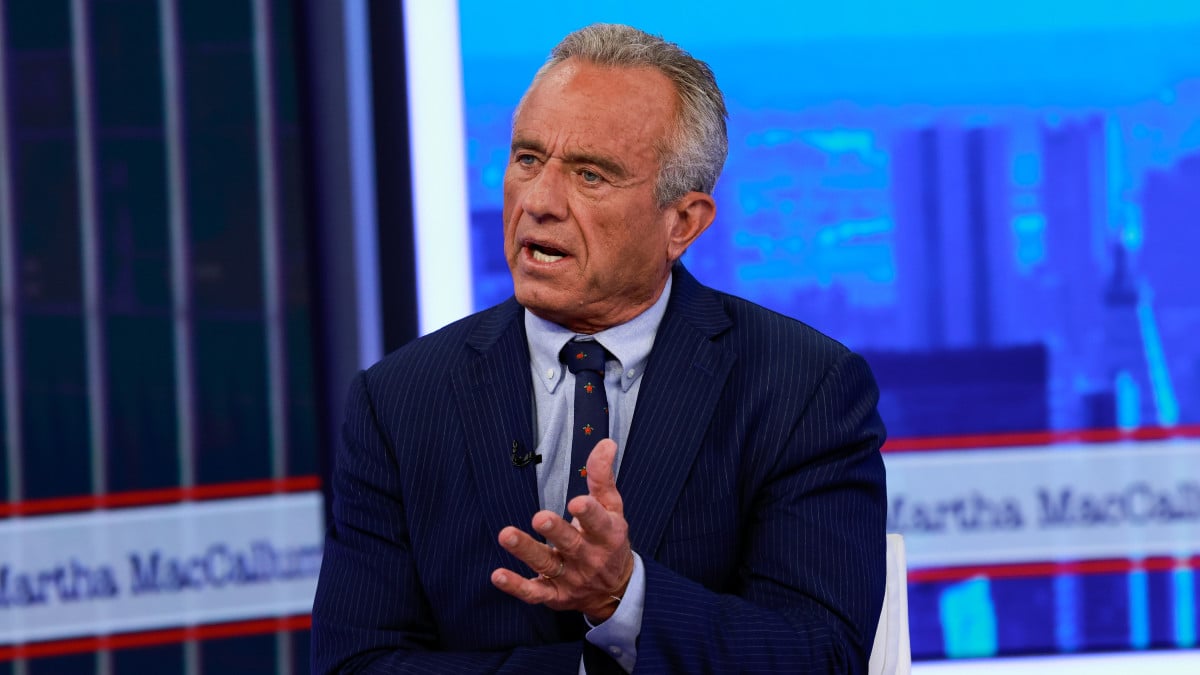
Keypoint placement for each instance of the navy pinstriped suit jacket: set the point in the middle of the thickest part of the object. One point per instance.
(752, 481)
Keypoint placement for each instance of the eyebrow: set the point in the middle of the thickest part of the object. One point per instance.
(605, 164)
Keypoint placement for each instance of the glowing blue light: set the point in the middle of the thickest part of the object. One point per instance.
(1066, 612)
(1029, 231)
(859, 142)
(1184, 582)
(885, 273)
(776, 137)
(1156, 363)
(493, 176)
(968, 618)
(1027, 170)
(1132, 233)
(1129, 401)
(1139, 609)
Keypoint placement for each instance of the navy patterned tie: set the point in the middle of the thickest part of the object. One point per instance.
(586, 361)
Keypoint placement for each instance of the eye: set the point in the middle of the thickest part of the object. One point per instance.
(589, 176)
(526, 159)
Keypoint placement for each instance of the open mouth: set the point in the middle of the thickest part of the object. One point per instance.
(545, 254)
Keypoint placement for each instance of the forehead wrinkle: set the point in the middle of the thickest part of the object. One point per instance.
(574, 157)
(521, 142)
(610, 166)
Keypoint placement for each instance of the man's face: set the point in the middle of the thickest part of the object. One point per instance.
(587, 245)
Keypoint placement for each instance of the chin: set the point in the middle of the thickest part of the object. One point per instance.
(531, 297)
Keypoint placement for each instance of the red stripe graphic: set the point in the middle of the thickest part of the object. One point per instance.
(1051, 569)
(304, 483)
(1035, 438)
(155, 637)
(116, 500)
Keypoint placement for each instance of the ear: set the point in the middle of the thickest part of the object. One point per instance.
(690, 217)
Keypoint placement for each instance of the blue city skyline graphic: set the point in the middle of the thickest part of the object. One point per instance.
(1003, 223)
(1049, 241)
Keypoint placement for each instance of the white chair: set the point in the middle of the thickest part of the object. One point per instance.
(890, 654)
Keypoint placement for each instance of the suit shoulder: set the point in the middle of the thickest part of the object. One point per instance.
(446, 346)
(761, 329)
(788, 361)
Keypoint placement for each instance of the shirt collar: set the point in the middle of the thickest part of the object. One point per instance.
(629, 343)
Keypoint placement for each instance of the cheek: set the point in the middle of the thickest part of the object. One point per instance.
(510, 209)
(512, 194)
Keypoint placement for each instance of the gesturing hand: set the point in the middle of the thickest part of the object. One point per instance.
(587, 563)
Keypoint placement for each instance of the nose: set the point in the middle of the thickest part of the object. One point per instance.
(545, 196)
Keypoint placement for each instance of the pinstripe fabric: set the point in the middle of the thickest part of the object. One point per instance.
(752, 483)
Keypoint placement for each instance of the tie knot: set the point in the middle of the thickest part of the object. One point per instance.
(580, 355)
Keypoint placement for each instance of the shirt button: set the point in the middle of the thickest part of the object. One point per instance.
(630, 373)
(615, 651)
(550, 373)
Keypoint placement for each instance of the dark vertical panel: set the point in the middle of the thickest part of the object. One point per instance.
(3, 422)
(74, 664)
(143, 421)
(4, 449)
(1033, 601)
(223, 212)
(230, 383)
(925, 632)
(145, 660)
(42, 153)
(56, 459)
(300, 407)
(55, 416)
(929, 151)
(135, 254)
(9, 357)
(321, 86)
(979, 212)
(1104, 612)
(56, 454)
(1161, 594)
(223, 215)
(7, 453)
(393, 180)
(301, 646)
(1193, 637)
(251, 655)
(302, 420)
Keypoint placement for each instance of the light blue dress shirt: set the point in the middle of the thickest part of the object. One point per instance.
(554, 387)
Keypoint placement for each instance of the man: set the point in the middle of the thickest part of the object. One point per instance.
(733, 522)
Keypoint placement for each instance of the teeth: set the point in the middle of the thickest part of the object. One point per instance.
(544, 257)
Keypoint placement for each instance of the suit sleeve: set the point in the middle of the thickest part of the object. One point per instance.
(371, 614)
(812, 570)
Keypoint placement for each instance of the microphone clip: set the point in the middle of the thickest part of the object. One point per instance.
(520, 459)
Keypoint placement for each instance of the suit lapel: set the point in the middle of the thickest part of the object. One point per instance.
(683, 381)
(495, 403)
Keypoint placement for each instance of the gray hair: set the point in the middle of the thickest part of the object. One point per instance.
(694, 155)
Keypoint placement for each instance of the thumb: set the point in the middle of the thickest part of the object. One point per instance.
(602, 482)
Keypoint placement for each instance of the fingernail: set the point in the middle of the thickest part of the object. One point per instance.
(545, 526)
(502, 578)
(511, 541)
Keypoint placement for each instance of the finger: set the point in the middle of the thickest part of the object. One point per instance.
(602, 483)
(532, 591)
(563, 536)
(539, 557)
(598, 523)
(595, 523)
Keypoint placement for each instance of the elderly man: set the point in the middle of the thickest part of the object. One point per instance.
(732, 517)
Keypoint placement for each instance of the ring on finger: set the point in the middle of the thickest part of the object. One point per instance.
(562, 565)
